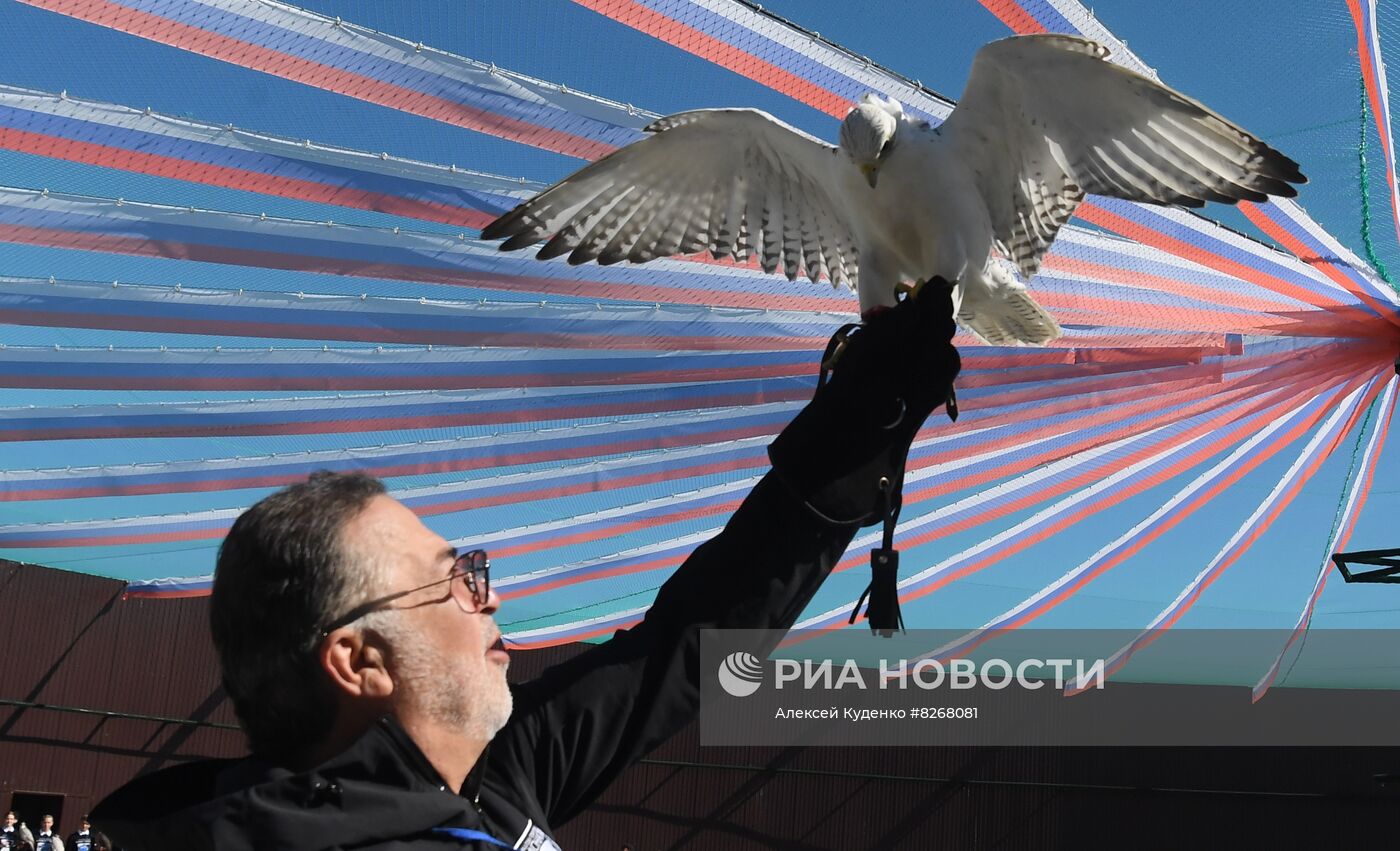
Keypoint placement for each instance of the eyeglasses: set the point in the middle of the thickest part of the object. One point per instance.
(472, 567)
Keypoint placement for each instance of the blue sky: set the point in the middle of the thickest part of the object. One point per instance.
(1285, 70)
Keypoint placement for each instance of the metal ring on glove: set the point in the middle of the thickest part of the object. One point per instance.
(898, 418)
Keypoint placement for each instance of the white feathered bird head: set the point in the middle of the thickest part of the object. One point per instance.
(868, 133)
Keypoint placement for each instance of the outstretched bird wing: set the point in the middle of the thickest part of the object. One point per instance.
(734, 182)
(1046, 118)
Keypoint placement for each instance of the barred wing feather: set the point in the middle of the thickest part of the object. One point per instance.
(734, 182)
(1045, 119)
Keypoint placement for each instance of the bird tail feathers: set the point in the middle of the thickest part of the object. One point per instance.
(1006, 316)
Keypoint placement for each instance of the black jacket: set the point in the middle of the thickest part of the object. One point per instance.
(573, 730)
(96, 842)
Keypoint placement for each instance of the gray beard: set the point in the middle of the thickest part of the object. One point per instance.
(447, 693)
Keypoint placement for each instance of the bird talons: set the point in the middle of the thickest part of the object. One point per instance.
(913, 290)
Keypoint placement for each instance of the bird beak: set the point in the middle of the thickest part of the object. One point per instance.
(871, 172)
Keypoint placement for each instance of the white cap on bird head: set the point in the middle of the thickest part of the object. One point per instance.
(868, 131)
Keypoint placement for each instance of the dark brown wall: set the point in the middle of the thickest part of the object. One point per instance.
(69, 639)
(1014, 798)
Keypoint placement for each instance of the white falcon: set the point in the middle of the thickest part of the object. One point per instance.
(1044, 120)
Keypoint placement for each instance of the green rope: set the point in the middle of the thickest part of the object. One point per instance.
(1365, 178)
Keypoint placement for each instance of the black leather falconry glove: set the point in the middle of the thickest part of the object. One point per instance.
(844, 454)
(887, 376)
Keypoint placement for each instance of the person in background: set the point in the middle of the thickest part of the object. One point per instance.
(87, 839)
(46, 839)
(14, 836)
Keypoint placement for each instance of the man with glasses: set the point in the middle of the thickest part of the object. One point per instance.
(361, 656)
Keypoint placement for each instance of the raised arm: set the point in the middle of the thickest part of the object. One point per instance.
(577, 726)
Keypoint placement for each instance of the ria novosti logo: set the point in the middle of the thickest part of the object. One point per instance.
(740, 674)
